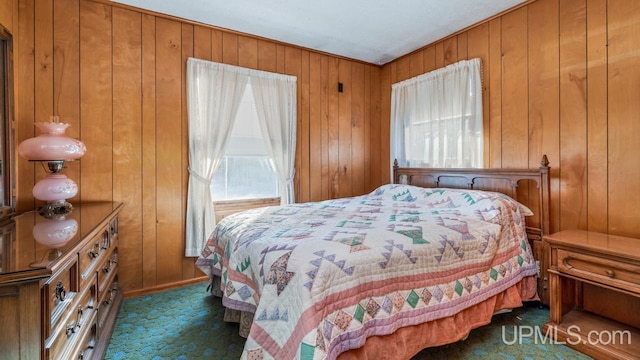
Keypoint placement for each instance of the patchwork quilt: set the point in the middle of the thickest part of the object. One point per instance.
(322, 277)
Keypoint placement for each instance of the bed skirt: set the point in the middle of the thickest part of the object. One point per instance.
(408, 341)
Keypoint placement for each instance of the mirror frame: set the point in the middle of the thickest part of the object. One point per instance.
(7, 130)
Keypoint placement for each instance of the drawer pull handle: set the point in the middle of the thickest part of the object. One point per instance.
(611, 274)
(61, 292)
(107, 266)
(71, 328)
(95, 252)
(108, 301)
(105, 240)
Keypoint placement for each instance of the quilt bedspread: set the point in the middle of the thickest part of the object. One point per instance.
(322, 277)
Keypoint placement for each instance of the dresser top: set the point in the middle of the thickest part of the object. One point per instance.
(604, 243)
(22, 256)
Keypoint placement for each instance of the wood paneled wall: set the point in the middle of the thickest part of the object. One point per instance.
(560, 78)
(118, 76)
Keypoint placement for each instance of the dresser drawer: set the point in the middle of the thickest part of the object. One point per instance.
(60, 294)
(108, 298)
(608, 271)
(93, 253)
(77, 322)
(108, 269)
(78, 345)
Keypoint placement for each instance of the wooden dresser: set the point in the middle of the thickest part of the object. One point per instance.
(595, 293)
(59, 287)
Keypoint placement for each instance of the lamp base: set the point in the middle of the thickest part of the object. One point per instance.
(55, 210)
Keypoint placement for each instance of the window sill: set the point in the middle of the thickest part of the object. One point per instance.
(228, 207)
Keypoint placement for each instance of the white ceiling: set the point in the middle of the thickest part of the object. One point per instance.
(375, 31)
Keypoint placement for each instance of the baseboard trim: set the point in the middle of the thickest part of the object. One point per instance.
(163, 287)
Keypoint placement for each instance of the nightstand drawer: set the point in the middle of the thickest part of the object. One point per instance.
(602, 270)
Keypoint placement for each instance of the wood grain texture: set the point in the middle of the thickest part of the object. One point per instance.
(450, 51)
(333, 128)
(573, 115)
(495, 93)
(189, 269)
(558, 80)
(127, 121)
(597, 133)
(583, 129)
(543, 72)
(119, 76)
(25, 102)
(416, 63)
(96, 107)
(66, 72)
(315, 128)
(623, 115)
(357, 129)
(345, 177)
(305, 134)
(478, 47)
(169, 68)
(377, 143)
(514, 89)
(147, 259)
(7, 12)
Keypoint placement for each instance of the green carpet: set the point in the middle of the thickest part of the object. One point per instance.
(186, 323)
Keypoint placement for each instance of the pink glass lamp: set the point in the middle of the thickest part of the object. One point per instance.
(55, 233)
(54, 148)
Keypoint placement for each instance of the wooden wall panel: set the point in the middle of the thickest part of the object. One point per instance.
(7, 14)
(66, 72)
(450, 50)
(387, 78)
(375, 137)
(333, 128)
(357, 129)
(478, 47)
(147, 259)
(573, 111)
(623, 117)
(344, 129)
(188, 267)
(543, 72)
(316, 135)
(560, 78)
(514, 89)
(597, 204)
(25, 102)
(96, 105)
(169, 68)
(118, 75)
(127, 120)
(495, 94)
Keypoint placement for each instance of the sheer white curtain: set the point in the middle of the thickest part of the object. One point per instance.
(214, 92)
(436, 118)
(275, 97)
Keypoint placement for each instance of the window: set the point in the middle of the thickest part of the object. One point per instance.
(437, 118)
(246, 171)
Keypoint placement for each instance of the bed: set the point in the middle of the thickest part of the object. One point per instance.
(414, 264)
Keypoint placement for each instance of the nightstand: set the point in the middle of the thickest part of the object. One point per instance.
(594, 282)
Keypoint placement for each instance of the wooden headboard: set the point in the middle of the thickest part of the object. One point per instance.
(530, 187)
